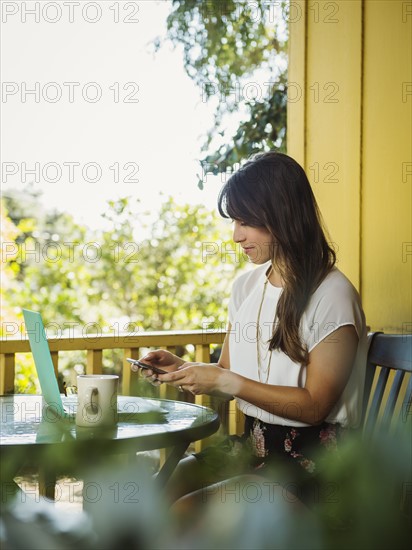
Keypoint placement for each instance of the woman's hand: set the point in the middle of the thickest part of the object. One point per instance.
(199, 378)
(163, 359)
(160, 358)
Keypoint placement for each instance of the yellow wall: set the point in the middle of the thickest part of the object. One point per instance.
(350, 127)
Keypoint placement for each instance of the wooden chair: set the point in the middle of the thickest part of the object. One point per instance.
(387, 411)
(390, 352)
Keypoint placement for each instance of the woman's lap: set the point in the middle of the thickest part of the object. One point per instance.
(286, 457)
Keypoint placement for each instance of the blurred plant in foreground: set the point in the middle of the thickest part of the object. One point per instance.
(362, 503)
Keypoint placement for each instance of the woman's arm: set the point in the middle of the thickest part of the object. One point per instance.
(224, 359)
(328, 370)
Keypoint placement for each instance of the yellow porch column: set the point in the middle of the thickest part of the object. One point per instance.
(387, 165)
(329, 39)
(351, 130)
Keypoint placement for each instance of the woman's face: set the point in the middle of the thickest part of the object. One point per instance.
(256, 242)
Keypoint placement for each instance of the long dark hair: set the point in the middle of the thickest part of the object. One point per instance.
(271, 190)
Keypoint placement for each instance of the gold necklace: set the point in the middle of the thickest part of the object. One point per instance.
(260, 369)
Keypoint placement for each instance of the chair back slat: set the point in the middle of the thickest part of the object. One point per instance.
(390, 352)
(376, 401)
(392, 399)
(406, 408)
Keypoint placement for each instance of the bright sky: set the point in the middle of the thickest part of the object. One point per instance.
(74, 138)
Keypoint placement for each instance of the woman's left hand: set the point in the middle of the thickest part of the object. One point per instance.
(198, 378)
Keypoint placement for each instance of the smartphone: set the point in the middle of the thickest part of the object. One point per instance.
(146, 366)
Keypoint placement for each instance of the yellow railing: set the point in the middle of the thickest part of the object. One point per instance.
(131, 346)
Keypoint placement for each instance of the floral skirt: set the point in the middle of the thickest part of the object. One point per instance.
(292, 456)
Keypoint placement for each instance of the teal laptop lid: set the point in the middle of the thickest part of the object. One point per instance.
(43, 361)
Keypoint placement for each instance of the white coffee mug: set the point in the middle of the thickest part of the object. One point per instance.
(97, 400)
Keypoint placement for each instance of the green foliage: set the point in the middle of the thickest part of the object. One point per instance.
(265, 127)
(46, 269)
(364, 493)
(226, 43)
(174, 273)
(164, 281)
(223, 39)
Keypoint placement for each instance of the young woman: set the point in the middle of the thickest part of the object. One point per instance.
(294, 355)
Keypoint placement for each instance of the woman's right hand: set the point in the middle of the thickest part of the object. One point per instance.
(162, 359)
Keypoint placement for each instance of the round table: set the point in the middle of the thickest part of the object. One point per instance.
(31, 434)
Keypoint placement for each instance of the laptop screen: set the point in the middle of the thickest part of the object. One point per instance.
(42, 360)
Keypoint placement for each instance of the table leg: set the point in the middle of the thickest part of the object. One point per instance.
(170, 464)
(47, 483)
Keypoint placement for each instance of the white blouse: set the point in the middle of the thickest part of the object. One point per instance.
(334, 303)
